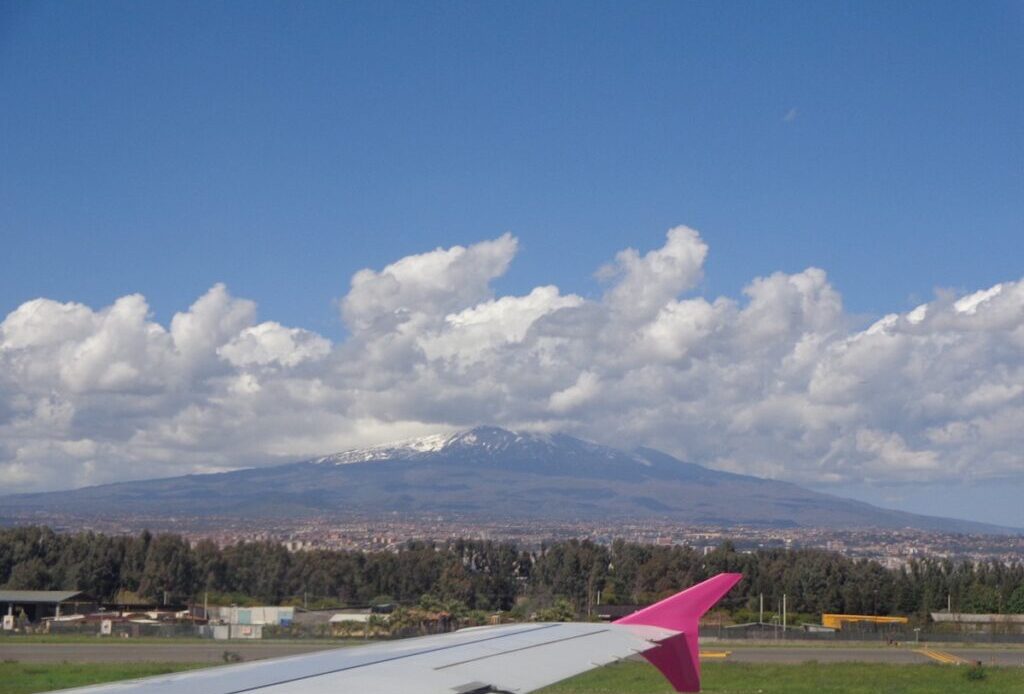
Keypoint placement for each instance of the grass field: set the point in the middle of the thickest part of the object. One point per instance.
(115, 641)
(624, 678)
(24, 678)
(809, 678)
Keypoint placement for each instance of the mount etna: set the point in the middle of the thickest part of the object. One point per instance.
(490, 473)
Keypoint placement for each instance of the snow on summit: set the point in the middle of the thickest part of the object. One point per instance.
(483, 438)
(390, 451)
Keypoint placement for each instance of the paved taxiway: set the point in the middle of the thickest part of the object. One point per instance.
(841, 654)
(213, 652)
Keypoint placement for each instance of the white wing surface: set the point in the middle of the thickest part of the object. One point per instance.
(512, 658)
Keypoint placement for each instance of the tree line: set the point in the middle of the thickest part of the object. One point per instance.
(484, 575)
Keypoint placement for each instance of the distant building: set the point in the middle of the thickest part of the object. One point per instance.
(360, 616)
(253, 616)
(35, 605)
(609, 613)
(980, 623)
(223, 632)
(861, 622)
(311, 618)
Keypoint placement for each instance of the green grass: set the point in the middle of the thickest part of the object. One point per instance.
(809, 678)
(116, 641)
(93, 639)
(25, 678)
(623, 678)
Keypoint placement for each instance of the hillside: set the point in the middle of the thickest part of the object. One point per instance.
(489, 473)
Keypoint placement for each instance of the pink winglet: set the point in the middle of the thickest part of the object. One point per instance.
(678, 658)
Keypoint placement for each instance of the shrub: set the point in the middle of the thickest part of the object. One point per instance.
(975, 672)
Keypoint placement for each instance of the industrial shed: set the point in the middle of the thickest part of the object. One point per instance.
(253, 616)
(38, 604)
(979, 623)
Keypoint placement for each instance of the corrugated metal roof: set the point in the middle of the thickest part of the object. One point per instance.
(39, 596)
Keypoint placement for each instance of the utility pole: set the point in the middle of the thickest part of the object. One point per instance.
(206, 605)
(760, 610)
(590, 595)
(783, 615)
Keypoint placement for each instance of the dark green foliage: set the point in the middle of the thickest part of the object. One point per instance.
(169, 572)
(1015, 604)
(975, 672)
(487, 576)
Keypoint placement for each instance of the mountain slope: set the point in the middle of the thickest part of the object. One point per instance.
(487, 472)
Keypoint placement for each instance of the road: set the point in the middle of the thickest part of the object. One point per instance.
(213, 652)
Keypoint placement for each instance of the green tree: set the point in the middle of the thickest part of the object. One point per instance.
(561, 611)
(1015, 604)
(30, 574)
(169, 572)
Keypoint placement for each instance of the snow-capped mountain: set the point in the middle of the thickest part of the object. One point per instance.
(480, 441)
(484, 472)
(398, 450)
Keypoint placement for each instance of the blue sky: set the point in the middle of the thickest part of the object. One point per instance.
(279, 148)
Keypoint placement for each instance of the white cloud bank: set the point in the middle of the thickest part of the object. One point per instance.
(774, 384)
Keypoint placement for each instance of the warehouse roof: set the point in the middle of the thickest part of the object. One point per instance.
(50, 597)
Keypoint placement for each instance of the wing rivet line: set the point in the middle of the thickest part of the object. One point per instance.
(522, 648)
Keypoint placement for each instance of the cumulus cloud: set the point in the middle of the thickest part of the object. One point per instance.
(774, 382)
(272, 343)
(213, 319)
(428, 285)
(645, 283)
(470, 334)
(586, 387)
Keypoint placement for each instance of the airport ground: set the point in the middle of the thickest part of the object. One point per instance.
(767, 667)
(625, 678)
(201, 651)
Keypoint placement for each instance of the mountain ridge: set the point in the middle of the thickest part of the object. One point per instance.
(490, 472)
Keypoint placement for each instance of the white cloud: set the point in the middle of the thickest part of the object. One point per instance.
(970, 304)
(213, 319)
(774, 383)
(586, 387)
(269, 343)
(430, 284)
(42, 323)
(646, 283)
(472, 332)
(887, 452)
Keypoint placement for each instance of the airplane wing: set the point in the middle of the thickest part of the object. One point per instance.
(500, 659)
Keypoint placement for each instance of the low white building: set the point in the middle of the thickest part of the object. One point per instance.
(253, 616)
(361, 616)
